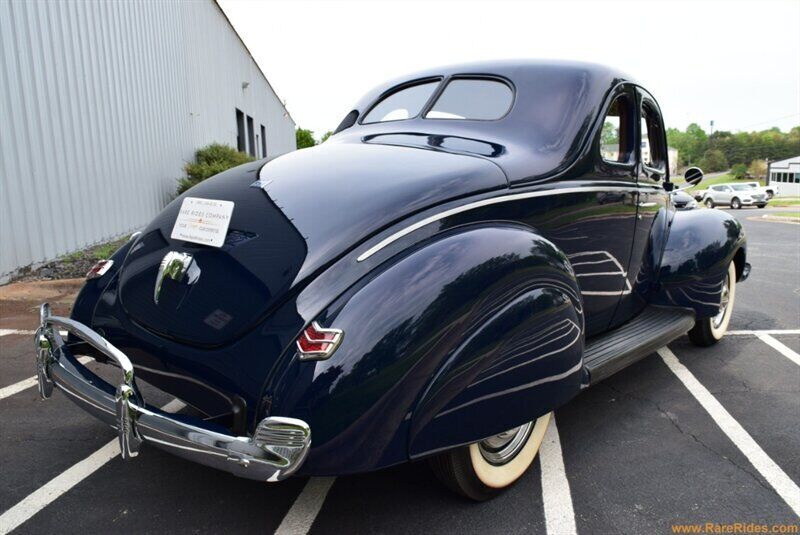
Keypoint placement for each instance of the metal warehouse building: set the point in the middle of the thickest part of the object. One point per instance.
(102, 103)
(784, 177)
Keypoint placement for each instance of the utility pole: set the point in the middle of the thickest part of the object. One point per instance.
(766, 179)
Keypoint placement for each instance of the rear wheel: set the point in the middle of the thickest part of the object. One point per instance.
(707, 332)
(709, 203)
(736, 203)
(762, 205)
(483, 470)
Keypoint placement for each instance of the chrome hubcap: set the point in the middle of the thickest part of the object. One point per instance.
(723, 304)
(500, 449)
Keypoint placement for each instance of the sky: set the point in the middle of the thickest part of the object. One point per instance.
(734, 62)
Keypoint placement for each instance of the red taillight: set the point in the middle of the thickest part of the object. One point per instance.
(318, 343)
(99, 269)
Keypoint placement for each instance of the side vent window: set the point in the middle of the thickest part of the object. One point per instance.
(654, 154)
(616, 139)
(348, 121)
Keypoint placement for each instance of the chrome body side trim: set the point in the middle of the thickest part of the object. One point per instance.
(488, 202)
(279, 447)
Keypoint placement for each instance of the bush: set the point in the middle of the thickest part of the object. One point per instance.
(757, 169)
(739, 170)
(304, 138)
(209, 161)
(713, 160)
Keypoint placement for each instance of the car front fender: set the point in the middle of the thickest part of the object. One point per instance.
(441, 337)
(700, 246)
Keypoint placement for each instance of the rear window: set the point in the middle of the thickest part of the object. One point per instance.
(475, 99)
(403, 104)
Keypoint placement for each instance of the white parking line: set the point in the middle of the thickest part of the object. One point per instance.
(6, 332)
(50, 491)
(306, 507)
(769, 470)
(765, 331)
(558, 512)
(781, 348)
(29, 382)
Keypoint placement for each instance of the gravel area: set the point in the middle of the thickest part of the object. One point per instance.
(71, 266)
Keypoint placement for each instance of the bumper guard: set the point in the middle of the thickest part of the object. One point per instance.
(279, 447)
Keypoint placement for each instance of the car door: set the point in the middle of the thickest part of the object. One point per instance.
(598, 234)
(727, 194)
(652, 169)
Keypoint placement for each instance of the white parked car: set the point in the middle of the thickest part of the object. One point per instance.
(734, 195)
(768, 190)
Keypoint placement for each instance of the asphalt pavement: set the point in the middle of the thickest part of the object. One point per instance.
(687, 436)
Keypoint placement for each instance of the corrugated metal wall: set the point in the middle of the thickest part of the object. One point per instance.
(101, 104)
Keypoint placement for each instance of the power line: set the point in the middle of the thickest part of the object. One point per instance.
(771, 120)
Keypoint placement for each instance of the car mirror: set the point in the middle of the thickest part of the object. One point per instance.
(693, 175)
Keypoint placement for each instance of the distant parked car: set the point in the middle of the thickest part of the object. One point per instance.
(768, 190)
(734, 195)
(683, 201)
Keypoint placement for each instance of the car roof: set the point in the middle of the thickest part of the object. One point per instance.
(555, 109)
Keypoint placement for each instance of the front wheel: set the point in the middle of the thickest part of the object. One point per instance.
(709, 203)
(736, 203)
(762, 205)
(708, 331)
(483, 470)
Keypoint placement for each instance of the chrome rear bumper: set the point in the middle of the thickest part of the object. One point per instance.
(279, 447)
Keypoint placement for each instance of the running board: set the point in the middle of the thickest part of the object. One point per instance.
(653, 328)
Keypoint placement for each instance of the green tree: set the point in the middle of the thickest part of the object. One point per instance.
(738, 148)
(713, 160)
(305, 138)
(325, 136)
(209, 161)
(610, 134)
(696, 143)
(739, 170)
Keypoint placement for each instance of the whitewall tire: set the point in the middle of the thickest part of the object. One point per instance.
(482, 470)
(707, 332)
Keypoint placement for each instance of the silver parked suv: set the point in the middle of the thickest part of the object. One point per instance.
(734, 195)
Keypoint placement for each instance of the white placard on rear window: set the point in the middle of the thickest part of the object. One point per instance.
(203, 221)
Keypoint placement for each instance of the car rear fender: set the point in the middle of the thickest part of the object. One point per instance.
(700, 246)
(428, 340)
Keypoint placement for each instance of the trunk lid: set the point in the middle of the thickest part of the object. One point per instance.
(299, 214)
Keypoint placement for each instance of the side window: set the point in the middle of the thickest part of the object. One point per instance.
(403, 104)
(653, 151)
(616, 139)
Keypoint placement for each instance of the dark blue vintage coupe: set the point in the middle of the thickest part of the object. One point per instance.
(472, 248)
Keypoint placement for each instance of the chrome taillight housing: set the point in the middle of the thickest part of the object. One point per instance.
(317, 342)
(99, 269)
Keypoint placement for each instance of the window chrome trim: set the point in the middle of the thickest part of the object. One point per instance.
(494, 200)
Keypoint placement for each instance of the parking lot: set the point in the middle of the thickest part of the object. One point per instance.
(686, 436)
